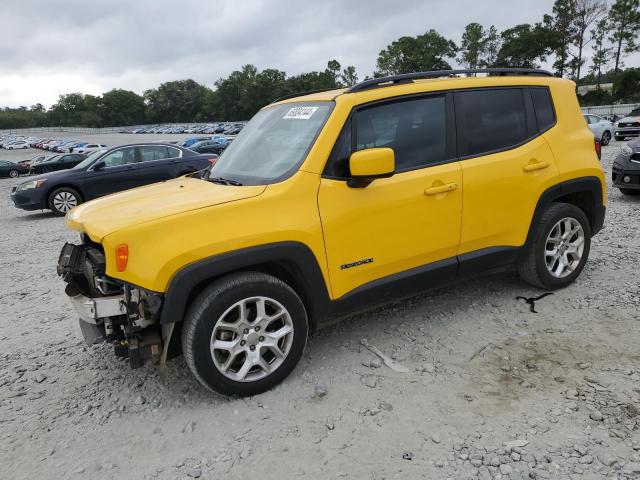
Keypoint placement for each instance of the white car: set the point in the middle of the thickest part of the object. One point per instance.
(90, 148)
(602, 128)
(18, 145)
(628, 126)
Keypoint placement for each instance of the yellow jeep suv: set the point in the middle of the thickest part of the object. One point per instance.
(333, 202)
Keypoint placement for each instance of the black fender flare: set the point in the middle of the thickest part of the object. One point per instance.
(588, 185)
(300, 262)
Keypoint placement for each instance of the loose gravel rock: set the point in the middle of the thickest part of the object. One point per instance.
(494, 390)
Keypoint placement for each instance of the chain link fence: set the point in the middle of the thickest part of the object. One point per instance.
(620, 110)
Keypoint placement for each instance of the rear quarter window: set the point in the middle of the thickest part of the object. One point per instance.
(543, 106)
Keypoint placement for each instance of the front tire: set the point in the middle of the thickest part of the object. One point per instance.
(14, 173)
(560, 248)
(606, 138)
(244, 334)
(63, 199)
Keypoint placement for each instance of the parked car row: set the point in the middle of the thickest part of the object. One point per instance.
(227, 128)
(13, 142)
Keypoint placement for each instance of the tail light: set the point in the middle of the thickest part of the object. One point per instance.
(122, 257)
(213, 159)
(598, 148)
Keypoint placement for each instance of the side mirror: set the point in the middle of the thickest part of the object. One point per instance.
(98, 166)
(367, 165)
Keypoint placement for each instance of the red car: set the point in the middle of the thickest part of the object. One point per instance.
(27, 163)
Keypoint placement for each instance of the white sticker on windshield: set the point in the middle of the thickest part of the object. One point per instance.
(300, 113)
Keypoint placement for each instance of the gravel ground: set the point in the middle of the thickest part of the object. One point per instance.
(494, 390)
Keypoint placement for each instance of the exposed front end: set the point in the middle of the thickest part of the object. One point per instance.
(110, 310)
(625, 172)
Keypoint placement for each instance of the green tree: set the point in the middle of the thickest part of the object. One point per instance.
(561, 32)
(349, 77)
(626, 86)
(624, 18)
(472, 46)
(121, 107)
(177, 101)
(333, 69)
(416, 54)
(491, 43)
(523, 46)
(601, 53)
(588, 12)
(75, 109)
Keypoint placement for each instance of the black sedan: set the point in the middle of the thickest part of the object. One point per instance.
(10, 169)
(58, 162)
(207, 146)
(625, 172)
(107, 171)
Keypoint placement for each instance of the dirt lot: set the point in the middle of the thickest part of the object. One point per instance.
(494, 390)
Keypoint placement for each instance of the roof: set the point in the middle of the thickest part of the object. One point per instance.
(427, 81)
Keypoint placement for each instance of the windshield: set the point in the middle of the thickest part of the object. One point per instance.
(89, 160)
(273, 144)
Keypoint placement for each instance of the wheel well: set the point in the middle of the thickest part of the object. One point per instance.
(584, 200)
(48, 192)
(283, 270)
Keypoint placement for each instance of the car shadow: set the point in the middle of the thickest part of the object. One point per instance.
(35, 216)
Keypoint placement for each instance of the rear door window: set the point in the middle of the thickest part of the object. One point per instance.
(155, 152)
(490, 120)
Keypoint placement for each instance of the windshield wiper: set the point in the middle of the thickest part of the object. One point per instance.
(225, 181)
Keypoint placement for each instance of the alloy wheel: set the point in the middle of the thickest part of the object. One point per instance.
(13, 173)
(251, 339)
(64, 201)
(564, 247)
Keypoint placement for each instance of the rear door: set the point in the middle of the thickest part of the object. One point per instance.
(506, 163)
(158, 163)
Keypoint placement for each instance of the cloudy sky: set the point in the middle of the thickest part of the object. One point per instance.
(49, 47)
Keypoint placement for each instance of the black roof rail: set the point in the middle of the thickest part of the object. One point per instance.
(300, 94)
(409, 77)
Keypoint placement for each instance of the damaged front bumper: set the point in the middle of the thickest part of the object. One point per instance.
(110, 310)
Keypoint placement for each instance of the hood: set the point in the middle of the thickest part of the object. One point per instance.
(59, 175)
(629, 120)
(109, 214)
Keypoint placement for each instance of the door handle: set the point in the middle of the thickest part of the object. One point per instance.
(447, 187)
(533, 165)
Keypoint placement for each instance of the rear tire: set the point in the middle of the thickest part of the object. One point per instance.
(230, 347)
(14, 173)
(554, 245)
(63, 199)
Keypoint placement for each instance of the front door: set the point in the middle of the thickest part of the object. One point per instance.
(117, 174)
(407, 221)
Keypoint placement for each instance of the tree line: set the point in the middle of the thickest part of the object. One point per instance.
(576, 33)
